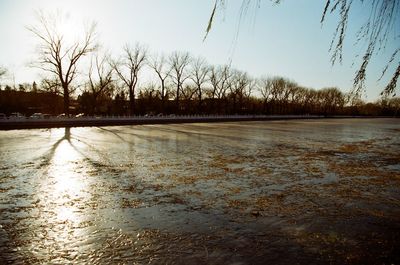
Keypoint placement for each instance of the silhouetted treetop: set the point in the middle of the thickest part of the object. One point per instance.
(128, 68)
(58, 55)
(3, 71)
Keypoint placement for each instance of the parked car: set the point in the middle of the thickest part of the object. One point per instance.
(62, 116)
(37, 115)
(16, 115)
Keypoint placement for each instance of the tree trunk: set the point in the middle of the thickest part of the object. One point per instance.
(162, 96)
(200, 101)
(131, 102)
(94, 104)
(177, 100)
(66, 99)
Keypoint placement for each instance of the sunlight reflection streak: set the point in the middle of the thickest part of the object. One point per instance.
(64, 193)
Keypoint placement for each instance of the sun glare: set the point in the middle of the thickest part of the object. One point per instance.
(69, 28)
(64, 168)
(65, 186)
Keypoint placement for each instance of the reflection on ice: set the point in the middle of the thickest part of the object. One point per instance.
(66, 213)
(63, 195)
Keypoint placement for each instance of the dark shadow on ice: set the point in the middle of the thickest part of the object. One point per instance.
(113, 132)
(118, 133)
(69, 137)
(66, 137)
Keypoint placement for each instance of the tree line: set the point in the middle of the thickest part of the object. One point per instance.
(182, 84)
(231, 94)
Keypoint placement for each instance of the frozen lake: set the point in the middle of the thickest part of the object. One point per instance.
(305, 191)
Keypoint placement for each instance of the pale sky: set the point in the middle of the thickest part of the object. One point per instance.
(286, 40)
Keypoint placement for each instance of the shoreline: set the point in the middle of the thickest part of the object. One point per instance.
(17, 124)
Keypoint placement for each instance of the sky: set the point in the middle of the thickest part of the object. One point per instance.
(273, 40)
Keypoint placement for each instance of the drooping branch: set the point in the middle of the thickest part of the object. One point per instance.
(375, 32)
(381, 25)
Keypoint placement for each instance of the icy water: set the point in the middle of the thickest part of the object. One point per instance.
(275, 192)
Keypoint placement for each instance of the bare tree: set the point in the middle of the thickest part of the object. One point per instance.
(214, 81)
(188, 92)
(159, 65)
(279, 91)
(100, 77)
(178, 62)
(149, 97)
(331, 100)
(128, 68)
(220, 79)
(51, 85)
(56, 56)
(265, 87)
(198, 74)
(3, 72)
(240, 89)
(300, 100)
(150, 91)
(276, 83)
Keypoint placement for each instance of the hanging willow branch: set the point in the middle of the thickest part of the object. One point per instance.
(381, 26)
(210, 21)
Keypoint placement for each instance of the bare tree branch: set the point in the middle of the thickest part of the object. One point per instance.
(178, 62)
(128, 68)
(199, 75)
(159, 65)
(56, 56)
(380, 26)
